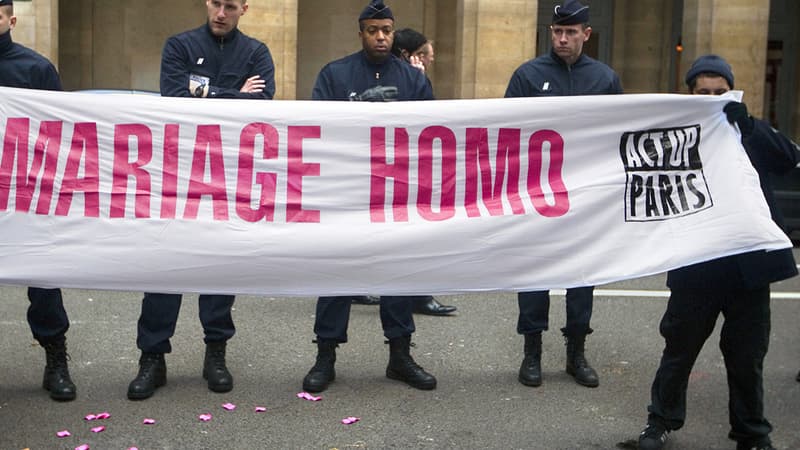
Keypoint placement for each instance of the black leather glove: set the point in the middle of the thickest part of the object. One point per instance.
(377, 94)
(737, 113)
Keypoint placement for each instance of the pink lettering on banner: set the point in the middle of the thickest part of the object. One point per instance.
(207, 147)
(296, 170)
(381, 171)
(169, 171)
(45, 153)
(84, 147)
(447, 181)
(267, 181)
(479, 168)
(536, 142)
(124, 169)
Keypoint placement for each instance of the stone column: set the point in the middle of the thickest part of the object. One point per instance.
(37, 27)
(493, 37)
(274, 22)
(737, 31)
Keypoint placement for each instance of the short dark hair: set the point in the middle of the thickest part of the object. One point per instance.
(408, 40)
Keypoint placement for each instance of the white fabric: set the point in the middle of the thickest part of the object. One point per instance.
(316, 158)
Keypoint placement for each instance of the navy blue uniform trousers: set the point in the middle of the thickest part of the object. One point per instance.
(160, 315)
(46, 315)
(534, 311)
(687, 323)
(333, 317)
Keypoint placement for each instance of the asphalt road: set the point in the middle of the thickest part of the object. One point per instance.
(475, 355)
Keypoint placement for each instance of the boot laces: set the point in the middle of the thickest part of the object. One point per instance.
(579, 360)
(147, 365)
(216, 359)
(57, 357)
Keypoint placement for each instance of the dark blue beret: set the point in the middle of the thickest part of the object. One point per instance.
(6, 2)
(570, 13)
(376, 10)
(710, 64)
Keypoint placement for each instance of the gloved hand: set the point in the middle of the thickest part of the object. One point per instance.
(376, 94)
(737, 113)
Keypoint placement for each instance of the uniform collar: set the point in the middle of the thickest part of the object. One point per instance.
(5, 41)
(226, 38)
(561, 62)
(374, 64)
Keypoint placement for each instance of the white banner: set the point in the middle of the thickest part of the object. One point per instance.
(305, 198)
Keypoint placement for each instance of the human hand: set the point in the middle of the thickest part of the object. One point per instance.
(736, 112)
(416, 62)
(253, 85)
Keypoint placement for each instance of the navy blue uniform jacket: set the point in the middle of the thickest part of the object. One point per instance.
(225, 62)
(769, 152)
(21, 67)
(353, 74)
(549, 75)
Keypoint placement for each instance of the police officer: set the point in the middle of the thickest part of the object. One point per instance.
(215, 60)
(360, 76)
(24, 68)
(564, 71)
(736, 286)
(412, 46)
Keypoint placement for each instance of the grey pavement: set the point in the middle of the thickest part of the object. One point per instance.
(475, 355)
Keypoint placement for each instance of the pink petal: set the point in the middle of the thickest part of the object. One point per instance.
(204, 417)
(149, 421)
(133, 448)
(63, 433)
(98, 429)
(309, 397)
(229, 406)
(261, 409)
(90, 417)
(350, 420)
(103, 415)
(82, 447)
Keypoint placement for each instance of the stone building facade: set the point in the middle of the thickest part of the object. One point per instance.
(479, 43)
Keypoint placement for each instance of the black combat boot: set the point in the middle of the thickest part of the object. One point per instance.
(152, 375)
(577, 366)
(323, 372)
(214, 370)
(402, 366)
(530, 372)
(56, 373)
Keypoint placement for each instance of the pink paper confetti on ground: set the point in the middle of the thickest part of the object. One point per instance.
(261, 409)
(103, 415)
(309, 397)
(90, 417)
(149, 421)
(98, 429)
(82, 447)
(204, 417)
(229, 406)
(350, 420)
(63, 433)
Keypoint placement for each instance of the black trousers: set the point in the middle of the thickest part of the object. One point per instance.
(333, 317)
(534, 311)
(688, 321)
(46, 315)
(160, 315)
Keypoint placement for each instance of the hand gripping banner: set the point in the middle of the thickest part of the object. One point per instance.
(301, 198)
